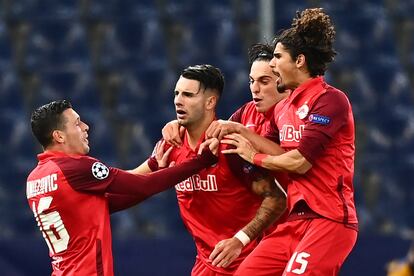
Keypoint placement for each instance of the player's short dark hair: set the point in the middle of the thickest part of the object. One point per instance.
(312, 34)
(260, 52)
(46, 119)
(209, 76)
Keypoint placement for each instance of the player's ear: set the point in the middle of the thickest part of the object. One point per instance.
(58, 136)
(211, 102)
(300, 60)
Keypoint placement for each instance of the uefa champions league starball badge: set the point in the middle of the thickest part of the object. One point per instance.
(100, 171)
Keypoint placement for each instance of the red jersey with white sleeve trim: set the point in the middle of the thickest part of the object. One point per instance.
(215, 204)
(75, 225)
(317, 120)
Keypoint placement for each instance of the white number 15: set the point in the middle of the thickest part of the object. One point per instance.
(299, 258)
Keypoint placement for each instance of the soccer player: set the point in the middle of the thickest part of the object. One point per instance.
(70, 193)
(225, 207)
(255, 114)
(316, 129)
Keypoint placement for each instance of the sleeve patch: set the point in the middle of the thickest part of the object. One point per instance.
(319, 119)
(100, 171)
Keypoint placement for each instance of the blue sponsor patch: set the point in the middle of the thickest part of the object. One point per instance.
(319, 119)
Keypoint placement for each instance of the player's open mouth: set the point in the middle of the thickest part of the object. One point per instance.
(256, 100)
(180, 113)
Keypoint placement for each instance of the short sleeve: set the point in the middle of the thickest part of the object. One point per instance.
(237, 115)
(328, 115)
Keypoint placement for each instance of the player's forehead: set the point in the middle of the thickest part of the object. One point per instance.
(187, 85)
(279, 49)
(261, 69)
(71, 115)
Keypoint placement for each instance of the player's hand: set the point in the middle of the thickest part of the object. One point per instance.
(162, 156)
(242, 146)
(218, 129)
(225, 252)
(212, 143)
(172, 133)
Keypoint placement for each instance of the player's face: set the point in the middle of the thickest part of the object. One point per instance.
(284, 68)
(75, 133)
(263, 83)
(189, 100)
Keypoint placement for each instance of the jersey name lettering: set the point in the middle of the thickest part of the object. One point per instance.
(289, 133)
(42, 186)
(195, 183)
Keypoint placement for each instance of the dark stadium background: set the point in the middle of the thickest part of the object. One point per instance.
(118, 60)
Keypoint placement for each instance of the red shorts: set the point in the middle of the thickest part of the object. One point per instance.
(316, 246)
(202, 269)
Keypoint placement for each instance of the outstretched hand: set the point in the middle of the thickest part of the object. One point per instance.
(212, 144)
(243, 147)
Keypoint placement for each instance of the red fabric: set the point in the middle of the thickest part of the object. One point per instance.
(67, 197)
(318, 246)
(214, 205)
(76, 225)
(202, 269)
(327, 187)
(258, 158)
(256, 121)
(261, 123)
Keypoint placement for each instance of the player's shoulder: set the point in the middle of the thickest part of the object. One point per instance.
(334, 96)
(77, 163)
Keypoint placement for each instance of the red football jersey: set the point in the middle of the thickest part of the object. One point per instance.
(75, 225)
(317, 120)
(258, 122)
(215, 204)
(252, 119)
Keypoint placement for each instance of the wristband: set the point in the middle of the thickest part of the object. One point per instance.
(242, 237)
(152, 163)
(258, 158)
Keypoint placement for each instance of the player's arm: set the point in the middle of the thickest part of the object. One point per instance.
(291, 161)
(150, 184)
(316, 135)
(272, 207)
(91, 176)
(119, 202)
(158, 159)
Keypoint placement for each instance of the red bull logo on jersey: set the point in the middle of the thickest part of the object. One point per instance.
(290, 134)
(195, 183)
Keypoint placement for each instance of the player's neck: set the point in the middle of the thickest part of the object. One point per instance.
(196, 131)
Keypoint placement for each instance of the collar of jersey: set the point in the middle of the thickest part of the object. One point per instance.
(311, 86)
(53, 154)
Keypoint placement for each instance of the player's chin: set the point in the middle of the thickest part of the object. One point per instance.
(86, 149)
(182, 122)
